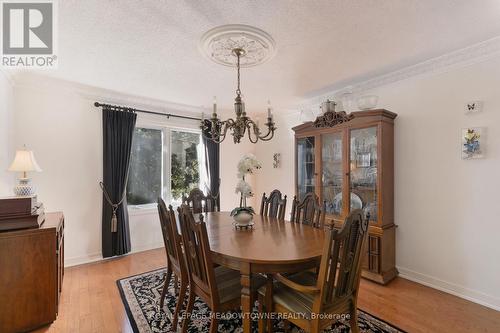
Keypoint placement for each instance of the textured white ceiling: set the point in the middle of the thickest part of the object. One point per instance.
(150, 48)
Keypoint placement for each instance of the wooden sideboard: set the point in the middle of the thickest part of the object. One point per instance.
(348, 161)
(31, 275)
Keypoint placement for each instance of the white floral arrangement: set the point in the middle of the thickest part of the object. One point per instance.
(247, 165)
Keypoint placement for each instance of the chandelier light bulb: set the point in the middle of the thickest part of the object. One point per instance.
(215, 105)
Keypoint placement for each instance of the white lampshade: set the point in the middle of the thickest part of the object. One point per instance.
(24, 161)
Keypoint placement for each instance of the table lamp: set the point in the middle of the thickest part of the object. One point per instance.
(24, 162)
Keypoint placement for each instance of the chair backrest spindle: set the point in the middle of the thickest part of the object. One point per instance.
(199, 202)
(197, 253)
(308, 211)
(167, 219)
(273, 206)
(340, 267)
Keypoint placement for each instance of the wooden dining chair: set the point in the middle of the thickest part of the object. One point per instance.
(175, 260)
(219, 287)
(199, 202)
(308, 211)
(312, 301)
(273, 206)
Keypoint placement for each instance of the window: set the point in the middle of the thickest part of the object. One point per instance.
(185, 167)
(166, 162)
(145, 172)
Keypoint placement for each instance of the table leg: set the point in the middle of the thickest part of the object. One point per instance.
(246, 297)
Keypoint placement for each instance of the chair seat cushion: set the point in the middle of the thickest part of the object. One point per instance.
(291, 299)
(229, 285)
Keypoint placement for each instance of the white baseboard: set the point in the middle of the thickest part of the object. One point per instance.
(451, 288)
(94, 257)
(147, 247)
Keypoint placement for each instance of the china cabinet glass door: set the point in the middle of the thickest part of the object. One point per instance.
(305, 166)
(332, 172)
(363, 173)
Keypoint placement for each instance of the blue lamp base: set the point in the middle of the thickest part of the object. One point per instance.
(24, 188)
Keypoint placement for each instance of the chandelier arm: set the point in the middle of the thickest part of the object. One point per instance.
(213, 138)
(221, 136)
(255, 128)
(268, 138)
(217, 137)
(215, 123)
(211, 134)
(267, 134)
(270, 132)
(249, 135)
(230, 123)
(224, 126)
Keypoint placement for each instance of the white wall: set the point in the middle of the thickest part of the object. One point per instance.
(6, 119)
(58, 121)
(446, 208)
(65, 134)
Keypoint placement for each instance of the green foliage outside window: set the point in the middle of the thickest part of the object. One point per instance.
(146, 165)
(185, 167)
(144, 176)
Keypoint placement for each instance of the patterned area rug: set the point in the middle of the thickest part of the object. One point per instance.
(141, 298)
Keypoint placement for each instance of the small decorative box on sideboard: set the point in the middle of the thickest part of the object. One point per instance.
(17, 205)
(21, 212)
(32, 271)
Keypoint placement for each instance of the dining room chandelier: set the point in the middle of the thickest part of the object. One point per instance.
(239, 46)
(217, 129)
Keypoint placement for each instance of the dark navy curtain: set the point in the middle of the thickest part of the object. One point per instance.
(118, 129)
(212, 160)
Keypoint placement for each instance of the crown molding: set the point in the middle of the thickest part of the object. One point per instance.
(467, 56)
(44, 83)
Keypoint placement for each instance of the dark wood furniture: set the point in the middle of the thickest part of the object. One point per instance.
(308, 211)
(305, 296)
(20, 212)
(175, 262)
(271, 246)
(219, 287)
(18, 205)
(274, 205)
(31, 275)
(348, 161)
(199, 202)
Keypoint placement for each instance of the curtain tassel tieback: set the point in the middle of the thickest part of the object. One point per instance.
(114, 218)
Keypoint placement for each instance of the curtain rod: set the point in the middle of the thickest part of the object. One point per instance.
(123, 108)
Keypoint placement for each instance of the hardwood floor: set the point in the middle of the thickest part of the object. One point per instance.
(90, 301)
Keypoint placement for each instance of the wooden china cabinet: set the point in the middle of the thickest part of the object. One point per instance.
(348, 161)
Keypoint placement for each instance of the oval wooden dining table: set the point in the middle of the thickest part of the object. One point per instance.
(270, 246)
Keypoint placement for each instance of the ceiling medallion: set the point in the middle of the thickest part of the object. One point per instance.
(218, 45)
